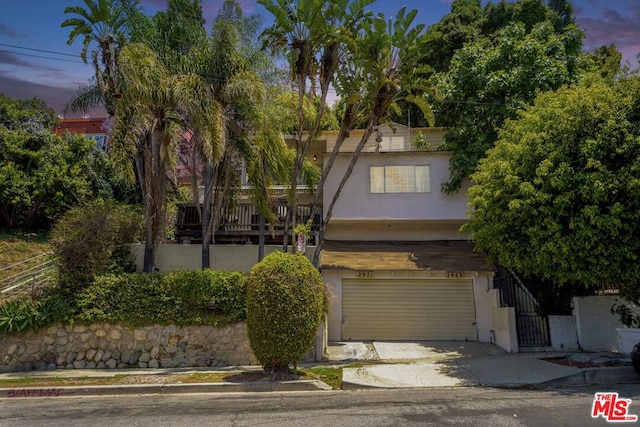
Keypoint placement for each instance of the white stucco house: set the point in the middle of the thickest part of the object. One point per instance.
(395, 262)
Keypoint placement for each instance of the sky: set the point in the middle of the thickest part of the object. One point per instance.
(35, 60)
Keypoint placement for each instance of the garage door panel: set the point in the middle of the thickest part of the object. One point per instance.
(408, 310)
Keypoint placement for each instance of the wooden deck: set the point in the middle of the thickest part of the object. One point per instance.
(239, 225)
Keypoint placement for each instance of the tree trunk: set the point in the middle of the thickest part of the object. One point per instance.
(329, 211)
(156, 195)
(261, 238)
(208, 180)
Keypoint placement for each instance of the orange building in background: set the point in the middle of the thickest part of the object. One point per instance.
(90, 127)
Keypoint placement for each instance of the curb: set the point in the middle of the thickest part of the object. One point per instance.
(258, 386)
(595, 376)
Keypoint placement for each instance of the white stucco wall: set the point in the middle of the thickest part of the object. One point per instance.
(595, 325)
(563, 334)
(172, 257)
(504, 327)
(357, 202)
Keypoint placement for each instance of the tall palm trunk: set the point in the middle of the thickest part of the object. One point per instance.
(155, 199)
(329, 212)
(208, 180)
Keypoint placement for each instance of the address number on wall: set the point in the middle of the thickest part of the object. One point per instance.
(365, 273)
(452, 275)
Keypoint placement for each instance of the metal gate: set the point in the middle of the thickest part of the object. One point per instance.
(532, 328)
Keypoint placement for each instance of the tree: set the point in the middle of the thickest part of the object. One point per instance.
(101, 22)
(559, 194)
(490, 79)
(285, 304)
(42, 174)
(316, 36)
(385, 69)
(149, 120)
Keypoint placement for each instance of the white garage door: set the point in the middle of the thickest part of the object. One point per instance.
(376, 309)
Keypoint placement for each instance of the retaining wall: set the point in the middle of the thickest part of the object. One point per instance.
(106, 346)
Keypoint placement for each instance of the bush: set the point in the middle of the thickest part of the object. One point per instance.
(285, 302)
(22, 315)
(94, 239)
(182, 298)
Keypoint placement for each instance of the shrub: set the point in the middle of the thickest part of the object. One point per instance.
(285, 301)
(42, 310)
(220, 292)
(183, 298)
(94, 239)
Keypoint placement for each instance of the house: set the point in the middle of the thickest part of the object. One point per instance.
(397, 266)
(394, 260)
(92, 128)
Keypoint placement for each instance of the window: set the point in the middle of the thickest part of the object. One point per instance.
(392, 143)
(399, 179)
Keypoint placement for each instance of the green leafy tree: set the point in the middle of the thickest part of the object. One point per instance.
(559, 195)
(492, 60)
(490, 79)
(41, 174)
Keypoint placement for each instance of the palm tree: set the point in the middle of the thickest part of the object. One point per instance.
(316, 37)
(104, 23)
(386, 68)
(150, 119)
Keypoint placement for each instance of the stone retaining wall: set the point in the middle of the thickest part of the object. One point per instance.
(105, 346)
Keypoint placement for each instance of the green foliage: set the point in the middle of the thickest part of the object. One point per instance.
(285, 302)
(498, 65)
(182, 298)
(94, 239)
(559, 195)
(31, 314)
(41, 174)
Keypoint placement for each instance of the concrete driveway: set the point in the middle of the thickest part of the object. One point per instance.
(441, 364)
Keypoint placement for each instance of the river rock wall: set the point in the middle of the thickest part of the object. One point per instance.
(107, 346)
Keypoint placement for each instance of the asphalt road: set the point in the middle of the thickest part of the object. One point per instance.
(463, 406)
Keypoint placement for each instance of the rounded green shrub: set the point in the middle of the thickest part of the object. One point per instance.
(285, 302)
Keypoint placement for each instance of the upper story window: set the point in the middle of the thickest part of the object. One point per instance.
(392, 143)
(399, 179)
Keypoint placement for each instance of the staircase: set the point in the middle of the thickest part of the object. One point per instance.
(532, 328)
(27, 275)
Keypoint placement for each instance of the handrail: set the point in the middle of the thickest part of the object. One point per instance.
(33, 276)
(25, 261)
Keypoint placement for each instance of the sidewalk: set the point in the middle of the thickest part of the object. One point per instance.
(455, 364)
(377, 365)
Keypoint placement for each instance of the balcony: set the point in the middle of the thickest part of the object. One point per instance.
(241, 224)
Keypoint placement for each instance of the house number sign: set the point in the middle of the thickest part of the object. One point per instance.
(454, 275)
(365, 273)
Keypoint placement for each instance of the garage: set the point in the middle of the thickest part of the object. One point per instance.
(408, 309)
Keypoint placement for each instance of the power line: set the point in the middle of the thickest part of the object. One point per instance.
(40, 50)
(40, 56)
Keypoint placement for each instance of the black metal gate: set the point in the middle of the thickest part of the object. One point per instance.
(532, 328)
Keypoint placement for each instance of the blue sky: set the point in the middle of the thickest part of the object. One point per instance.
(29, 27)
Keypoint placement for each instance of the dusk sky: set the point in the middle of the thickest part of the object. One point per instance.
(30, 31)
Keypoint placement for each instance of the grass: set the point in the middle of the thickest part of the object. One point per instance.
(18, 246)
(329, 375)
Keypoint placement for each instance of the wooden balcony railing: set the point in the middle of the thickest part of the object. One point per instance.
(241, 224)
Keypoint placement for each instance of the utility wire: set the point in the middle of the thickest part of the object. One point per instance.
(40, 50)
(40, 56)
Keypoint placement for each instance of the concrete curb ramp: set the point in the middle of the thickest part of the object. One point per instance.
(258, 386)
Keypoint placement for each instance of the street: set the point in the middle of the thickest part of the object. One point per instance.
(468, 406)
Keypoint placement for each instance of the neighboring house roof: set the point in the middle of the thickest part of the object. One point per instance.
(82, 125)
(454, 255)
